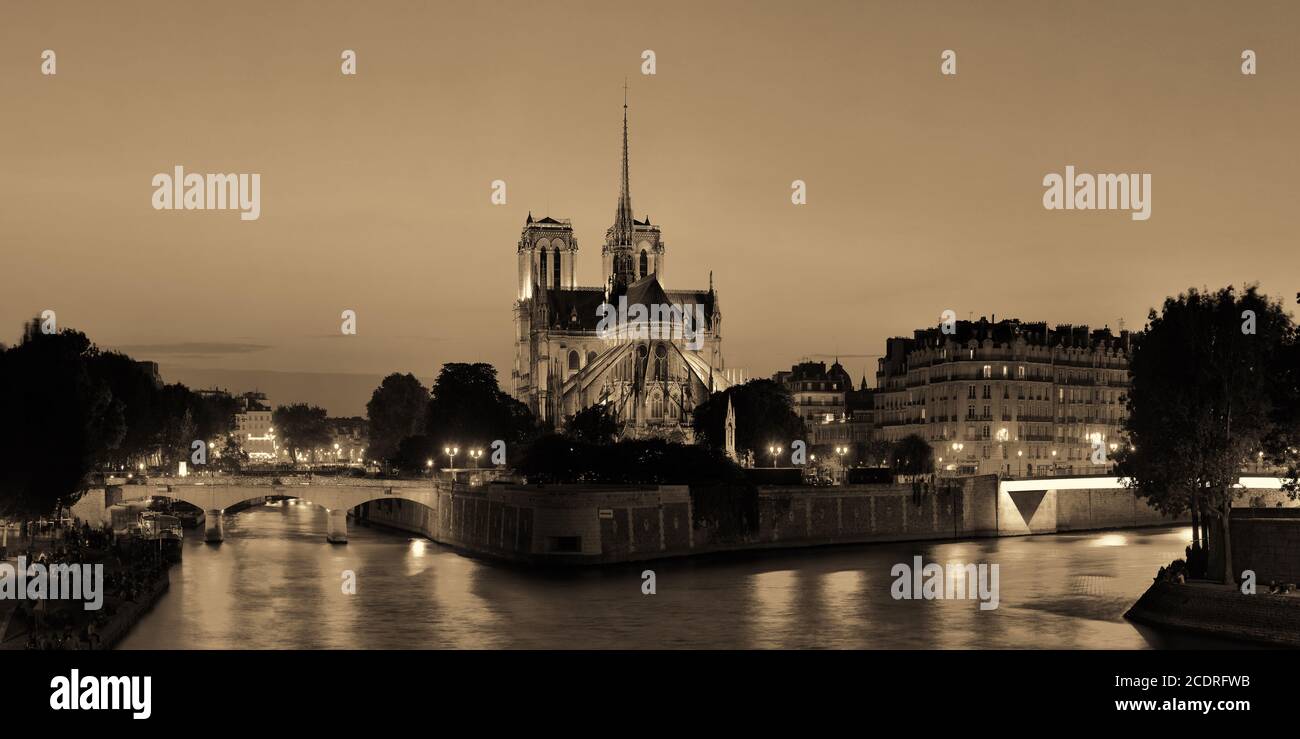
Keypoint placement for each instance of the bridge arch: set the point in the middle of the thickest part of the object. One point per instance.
(337, 500)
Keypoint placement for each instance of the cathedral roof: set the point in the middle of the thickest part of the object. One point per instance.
(574, 310)
(578, 309)
(647, 291)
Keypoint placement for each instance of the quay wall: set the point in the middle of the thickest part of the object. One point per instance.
(1267, 541)
(1220, 611)
(588, 524)
(556, 523)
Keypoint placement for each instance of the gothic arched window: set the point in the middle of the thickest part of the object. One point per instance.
(573, 361)
(645, 263)
(661, 363)
(557, 281)
(541, 273)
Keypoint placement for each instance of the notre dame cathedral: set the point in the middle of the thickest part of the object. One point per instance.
(652, 368)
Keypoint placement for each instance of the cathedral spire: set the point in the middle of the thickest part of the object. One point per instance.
(623, 223)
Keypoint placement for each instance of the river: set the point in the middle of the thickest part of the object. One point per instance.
(274, 583)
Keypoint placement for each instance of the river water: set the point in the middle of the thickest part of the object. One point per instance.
(275, 583)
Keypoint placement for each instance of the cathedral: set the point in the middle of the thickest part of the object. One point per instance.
(652, 365)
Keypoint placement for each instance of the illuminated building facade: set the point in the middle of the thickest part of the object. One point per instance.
(818, 398)
(254, 428)
(1007, 397)
(652, 372)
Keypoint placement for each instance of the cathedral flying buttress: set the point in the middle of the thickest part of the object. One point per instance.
(648, 353)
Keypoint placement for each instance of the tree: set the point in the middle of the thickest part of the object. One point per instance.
(1207, 379)
(396, 410)
(912, 456)
(764, 416)
(467, 409)
(723, 501)
(233, 457)
(595, 425)
(414, 454)
(1282, 446)
(59, 421)
(302, 427)
(874, 453)
(136, 395)
(559, 459)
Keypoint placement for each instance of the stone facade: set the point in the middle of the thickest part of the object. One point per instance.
(650, 369)
(1007, 397)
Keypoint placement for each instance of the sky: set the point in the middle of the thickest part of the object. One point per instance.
(924, 190)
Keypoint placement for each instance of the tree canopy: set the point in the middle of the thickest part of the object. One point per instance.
(764, 415)
(911, 455)
(468, 409)
(396, 410)
(60, 421)
(301, 426)
(1210, 375)
(595, 425)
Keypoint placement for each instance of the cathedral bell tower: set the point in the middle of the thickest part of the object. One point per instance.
(548, 256)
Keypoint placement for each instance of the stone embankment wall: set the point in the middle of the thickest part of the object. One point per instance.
(572, 524)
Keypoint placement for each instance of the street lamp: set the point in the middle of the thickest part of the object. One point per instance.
(773, 450)
(475, 454)
(428, 464)
(1053, 463)
(1020, 462)
(451, 452)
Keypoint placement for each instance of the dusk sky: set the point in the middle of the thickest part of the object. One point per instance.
(924, 191)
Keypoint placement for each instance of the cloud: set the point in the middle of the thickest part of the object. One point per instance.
(191, 349)
(341, 335)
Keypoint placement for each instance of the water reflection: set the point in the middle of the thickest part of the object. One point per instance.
(276, 583)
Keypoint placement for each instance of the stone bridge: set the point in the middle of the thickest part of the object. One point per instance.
(336, 495)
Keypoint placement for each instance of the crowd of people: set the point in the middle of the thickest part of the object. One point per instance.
(132, 570)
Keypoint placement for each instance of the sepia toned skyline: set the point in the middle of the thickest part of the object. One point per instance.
(925, 192)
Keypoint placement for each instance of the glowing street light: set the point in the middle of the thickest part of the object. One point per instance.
(474, 454)
(451, 452)
(774, 450)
